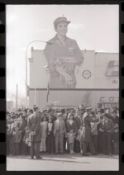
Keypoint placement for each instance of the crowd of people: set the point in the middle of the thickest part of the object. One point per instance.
(82, 129)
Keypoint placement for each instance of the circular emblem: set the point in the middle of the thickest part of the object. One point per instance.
(86, 74)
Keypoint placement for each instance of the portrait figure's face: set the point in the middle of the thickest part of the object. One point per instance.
(62, 28)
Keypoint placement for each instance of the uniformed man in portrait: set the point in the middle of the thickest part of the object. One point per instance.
(63, 55)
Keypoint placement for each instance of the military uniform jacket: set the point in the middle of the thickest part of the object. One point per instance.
(67, 55)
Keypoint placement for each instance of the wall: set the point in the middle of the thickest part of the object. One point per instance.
(96, 72)
(91, 74)
(71, 97)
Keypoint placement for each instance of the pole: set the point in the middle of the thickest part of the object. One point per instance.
(35, 97)
(26, 78)
(16, 96)
(48, 91)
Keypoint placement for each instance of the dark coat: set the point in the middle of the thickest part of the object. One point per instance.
(78, 122)
(101, 127)
(108, 125)
(52, 129)
(17, 136)
(72, 126)
(34, 127)
(87, 125)
(23, 124)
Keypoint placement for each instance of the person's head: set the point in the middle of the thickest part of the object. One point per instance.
(101, 118)
(70, 116)
(98, 111)
(24, 112)
(107, 110)
(35, 108)
(23, 116)
(30, 111)
(63, 111)
(59, 115)
(65, 116)
(102, 111)
(89, 109)
(61, 25)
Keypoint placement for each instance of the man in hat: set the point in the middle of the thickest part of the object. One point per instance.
(63, 55)
(23, 124)
(87, 119)
(109, 127)
(35, 133)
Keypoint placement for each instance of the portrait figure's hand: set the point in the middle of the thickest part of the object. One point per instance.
(68, 79)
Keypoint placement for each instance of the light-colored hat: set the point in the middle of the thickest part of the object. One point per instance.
(59, 20)
(59, 114)
(88, 108)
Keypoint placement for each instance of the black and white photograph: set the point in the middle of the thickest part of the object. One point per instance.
(62, 87)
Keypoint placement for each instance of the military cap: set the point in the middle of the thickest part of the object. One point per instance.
(60, 19)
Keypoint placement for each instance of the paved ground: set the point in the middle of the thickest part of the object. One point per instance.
(63, 162)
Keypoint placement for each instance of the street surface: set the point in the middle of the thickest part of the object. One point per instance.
(64, 162)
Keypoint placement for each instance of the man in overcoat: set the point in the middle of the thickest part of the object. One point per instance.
(35, 133)
(88, 136)
(59, 132)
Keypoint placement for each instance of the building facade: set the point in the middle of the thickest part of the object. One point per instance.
(97, 81)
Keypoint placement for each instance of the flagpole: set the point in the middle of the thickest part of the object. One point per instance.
(35, 97)
(16, 96)
(47, 98)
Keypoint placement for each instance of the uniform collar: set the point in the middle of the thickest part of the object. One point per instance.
(59, 40)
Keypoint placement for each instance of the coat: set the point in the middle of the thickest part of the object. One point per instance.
(81, 134)
(34, 127)
(44, 127)
(87, 125)
(59, 127)
(108, 125)
(17, 134)
(70, 126)
(50, 128)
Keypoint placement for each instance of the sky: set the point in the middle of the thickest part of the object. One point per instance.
(94, 27)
